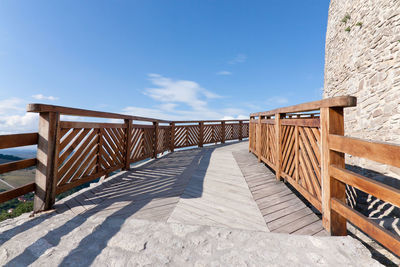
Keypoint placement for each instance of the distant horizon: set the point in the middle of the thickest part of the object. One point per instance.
(175, 61)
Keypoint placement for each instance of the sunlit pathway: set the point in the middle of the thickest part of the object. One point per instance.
(188, 207)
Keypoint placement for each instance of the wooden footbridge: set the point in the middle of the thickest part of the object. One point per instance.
(201, 172)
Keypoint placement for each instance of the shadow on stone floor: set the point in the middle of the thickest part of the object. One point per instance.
(116, 199)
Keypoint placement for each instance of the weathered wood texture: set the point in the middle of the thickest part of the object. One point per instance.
(340, 101)
(282, 210)
(71, 153)
(295, 157)
(311, 159)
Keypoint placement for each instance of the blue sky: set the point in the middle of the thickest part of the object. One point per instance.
(169, 59)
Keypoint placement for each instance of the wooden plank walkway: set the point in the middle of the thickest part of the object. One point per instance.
(220, 186)
(281, 208)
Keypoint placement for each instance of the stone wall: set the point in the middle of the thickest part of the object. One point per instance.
(363, 59)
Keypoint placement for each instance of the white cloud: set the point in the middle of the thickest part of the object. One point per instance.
(240, 58)
(14, 119)
(224, 73)
(179, 91)
(43, 97)
(182, 100)
(19, 123)
(11, 105)
(277, 100)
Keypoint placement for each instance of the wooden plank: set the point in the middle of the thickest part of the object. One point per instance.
(205, 121)
(240, 130)
(310, 198)
(377, 151)
(172, 139)
(310, 229)
(47, 164)
(40, 108)
(17, 165)
(223, 132)
(278, 142)
(282, 221)
(90, 125)
(377, 189)
(128, 144)
(296, 155)
(83, 180)
(298, 224)
(66, 140)
(72, 146)
(332, 122)
(17, 140)
(201, 134)
(311, 122)
(268, 121)
(371, 228)
(20, 191)
(340, 101)
(258, 139)
(155, 139)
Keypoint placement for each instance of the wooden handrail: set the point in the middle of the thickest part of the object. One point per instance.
(11, 141)
(17, 140)
(381, 152)
(71, 153)
(205, 121)
(308, 152)
(340, 101)
(41, 108)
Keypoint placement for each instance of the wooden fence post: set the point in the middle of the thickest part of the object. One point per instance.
(47, 157)
(278, 138)
(240, 130)
(128, 137)
(258, 138)
(296, 155)
(155, 139)
(172, 139)
(201, 134)
(332, 122)
(223, 132)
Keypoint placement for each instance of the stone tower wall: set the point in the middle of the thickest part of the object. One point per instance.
(362, 59)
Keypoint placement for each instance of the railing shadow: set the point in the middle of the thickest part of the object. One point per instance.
(382, 212)
(115, 201)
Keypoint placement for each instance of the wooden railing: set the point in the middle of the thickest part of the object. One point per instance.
(12, 141)
(71, 153)
(307, 150)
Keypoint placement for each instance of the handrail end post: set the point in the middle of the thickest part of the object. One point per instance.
(47, 157)
(332, 122)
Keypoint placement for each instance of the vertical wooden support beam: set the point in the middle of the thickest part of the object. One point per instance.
(332, 122)
(128, 137)
(258, 138)
(223, 132)
(47, 157)
(201, 134)
(296, 152)
(240, 130)
(267, 132)
(251, 135)
(172, 138)
(155, 139)
(278, 138)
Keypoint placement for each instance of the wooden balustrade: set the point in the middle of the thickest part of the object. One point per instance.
(71, 153)
(307, 150)
(11, 141)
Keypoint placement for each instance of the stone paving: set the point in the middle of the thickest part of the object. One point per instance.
(124, 221)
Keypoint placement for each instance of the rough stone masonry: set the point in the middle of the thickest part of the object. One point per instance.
(362, 59)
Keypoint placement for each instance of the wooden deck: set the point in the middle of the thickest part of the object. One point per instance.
(220, 186)
(282, 209)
